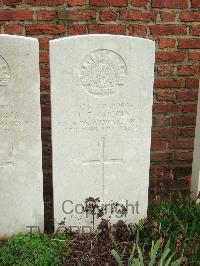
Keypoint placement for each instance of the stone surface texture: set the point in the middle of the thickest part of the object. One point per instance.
(21, 178)
(195, 184)
(101, 95)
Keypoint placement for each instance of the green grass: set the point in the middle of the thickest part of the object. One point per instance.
(34, 249)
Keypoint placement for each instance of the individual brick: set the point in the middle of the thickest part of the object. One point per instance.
(170, 57)
(108, 2)
(137, 30)
(109, 29)
(137, 15)
(168, 29)
(17, 14)
(76, 15)
(43, 29)
(108, 15)
(170, 4)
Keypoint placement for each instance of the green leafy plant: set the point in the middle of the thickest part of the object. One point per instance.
(138, 259)
(179, 221)
(34, 249)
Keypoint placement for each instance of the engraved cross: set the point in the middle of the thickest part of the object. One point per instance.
(102, 161)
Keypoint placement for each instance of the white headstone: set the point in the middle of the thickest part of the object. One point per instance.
(195, 184)
(102, 94)
(21, 179)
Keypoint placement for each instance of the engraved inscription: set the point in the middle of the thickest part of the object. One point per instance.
(13, 125)
(9, 123)
(102, 161)
(4, 74)
(9, 119)
(121, 116)
(103, 72)
(6, 154)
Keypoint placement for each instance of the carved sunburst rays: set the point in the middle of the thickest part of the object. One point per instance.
(102, 71)
(4, 72)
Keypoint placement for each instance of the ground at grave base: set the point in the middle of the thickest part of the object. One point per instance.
(95, 249)
(172, 228)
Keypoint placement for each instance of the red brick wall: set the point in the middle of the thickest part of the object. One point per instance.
(174, 24)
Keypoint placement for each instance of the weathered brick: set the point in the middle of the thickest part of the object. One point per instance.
(165, 70)
(188, 70)
(137, 15)
(161, 120)
(76, 15)
(45, 84)
(12, 2)
(75, 29)
(183, 156)
(110, 29)
(181, 144)
(167, 43)
(13, 29)
(45, 72)
(184, 120)
(158, 145)
(187, 132)
(45, 14)
(168, 29)
(194, 56)
(170, 3)
(158, 156)
(18, 14)
(76, 2)
(45, 2)
(195, 3)
(169, 83)
(39, 29)
(166, 108)
(164, 96)
(108, 15)
(44, 43)
(168, 16)
(192, 83)
(195, 30)
(137, 30)
(187, 95)
(46, 124)
(189, 43)
(189, 16)
(189, 108)
(139, 3)
(45, 98)
(167, 133)
(44, 57)
(108, 2)
(170, 57)
(46, 110)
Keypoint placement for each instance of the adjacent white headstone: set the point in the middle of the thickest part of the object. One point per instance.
(195, 184)
(102, 94)
(21, 179)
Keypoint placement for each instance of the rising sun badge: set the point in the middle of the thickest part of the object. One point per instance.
(103, 72)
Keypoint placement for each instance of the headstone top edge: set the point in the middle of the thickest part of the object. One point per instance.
(52, 42)
(2, 36)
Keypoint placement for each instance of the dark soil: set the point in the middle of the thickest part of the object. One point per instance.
(95, 248)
